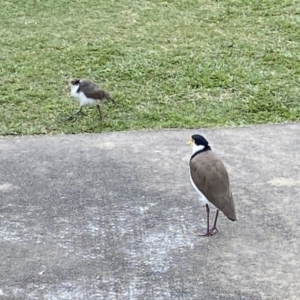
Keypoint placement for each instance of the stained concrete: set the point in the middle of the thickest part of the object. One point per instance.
(113, 216)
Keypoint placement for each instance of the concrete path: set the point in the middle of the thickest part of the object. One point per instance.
(113, 216)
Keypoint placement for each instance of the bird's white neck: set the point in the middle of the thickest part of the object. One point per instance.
(197, 148)
(74, 89)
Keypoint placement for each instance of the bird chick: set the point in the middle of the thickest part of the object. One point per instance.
(88, 93)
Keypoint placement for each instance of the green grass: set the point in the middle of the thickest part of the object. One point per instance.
(168, 64)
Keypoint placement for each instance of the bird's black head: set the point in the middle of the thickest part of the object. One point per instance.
(75, 81)
(199, 140)
(199, 144)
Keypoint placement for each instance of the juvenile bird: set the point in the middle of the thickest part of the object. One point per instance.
(210, 179)
(88, 93)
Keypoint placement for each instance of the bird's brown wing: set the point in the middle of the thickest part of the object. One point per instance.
(211, 178)
(91, 90)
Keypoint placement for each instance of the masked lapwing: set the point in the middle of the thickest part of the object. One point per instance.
(88, 93)
(210, 179)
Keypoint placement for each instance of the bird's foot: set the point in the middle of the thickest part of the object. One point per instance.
(210, 232)
(70, 118)
(213, 230)
(206, 234)
(75, 114)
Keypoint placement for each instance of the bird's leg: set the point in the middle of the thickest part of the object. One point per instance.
(100, 115)
(214, 229)
(75, 113)
(208, 233)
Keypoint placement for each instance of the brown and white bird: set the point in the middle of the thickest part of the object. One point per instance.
(210, 179)
(88, 93)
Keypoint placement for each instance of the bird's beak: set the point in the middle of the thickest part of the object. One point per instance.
(190, 142)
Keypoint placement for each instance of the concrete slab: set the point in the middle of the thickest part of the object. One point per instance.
(113, 216)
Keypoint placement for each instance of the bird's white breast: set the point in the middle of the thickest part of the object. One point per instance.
(74, 89)
(202, 198)
(81, 96)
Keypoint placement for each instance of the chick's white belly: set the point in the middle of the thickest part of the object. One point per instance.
(83, 100)
(88, 101)
(203, 200)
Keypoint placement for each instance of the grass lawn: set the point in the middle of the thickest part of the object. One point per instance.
(168, 64)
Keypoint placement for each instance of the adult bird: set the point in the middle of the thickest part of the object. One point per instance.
(88, 93)
(210, 179)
